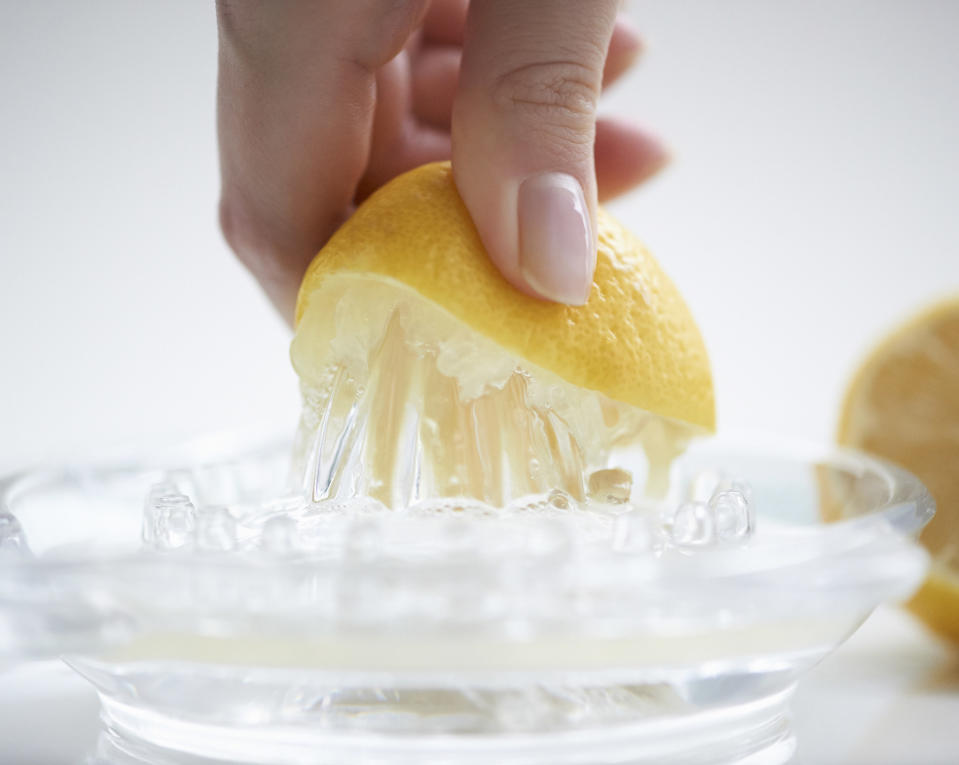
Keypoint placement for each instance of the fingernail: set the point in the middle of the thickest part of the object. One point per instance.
(556, 251)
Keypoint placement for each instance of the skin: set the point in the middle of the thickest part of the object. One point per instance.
(321, 102)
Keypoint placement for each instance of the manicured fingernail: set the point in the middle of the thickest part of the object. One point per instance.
(556, 251)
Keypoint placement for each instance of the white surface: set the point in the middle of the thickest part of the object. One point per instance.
(811, 205)
(889, 696)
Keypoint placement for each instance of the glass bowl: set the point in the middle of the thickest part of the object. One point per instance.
(469, 637)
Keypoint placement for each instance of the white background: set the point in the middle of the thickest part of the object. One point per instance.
(811, 205)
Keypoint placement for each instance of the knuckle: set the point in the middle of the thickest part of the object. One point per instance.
(376, 30)
(252, 242)
(563, 93)
(567, 142)
(267, 242)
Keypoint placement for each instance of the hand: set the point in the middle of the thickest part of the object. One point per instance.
(321, 102)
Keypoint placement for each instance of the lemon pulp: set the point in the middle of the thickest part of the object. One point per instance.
(403, 402)
(426, 375)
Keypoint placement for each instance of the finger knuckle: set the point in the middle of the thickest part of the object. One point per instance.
(562, 93)
(374, 31)
(247, 236)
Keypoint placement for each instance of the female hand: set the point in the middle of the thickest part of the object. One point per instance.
(320, 103)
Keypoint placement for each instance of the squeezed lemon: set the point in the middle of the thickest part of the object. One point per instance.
(425, 374)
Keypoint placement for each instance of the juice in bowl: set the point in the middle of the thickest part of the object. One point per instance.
(505, 535)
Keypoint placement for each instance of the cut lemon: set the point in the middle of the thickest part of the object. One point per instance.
(425, 373)
(903, 405)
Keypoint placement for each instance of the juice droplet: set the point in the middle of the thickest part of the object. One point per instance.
(611, 486)
(560, 500)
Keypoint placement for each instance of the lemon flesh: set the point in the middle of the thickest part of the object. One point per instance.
(635, 340)
(403, 402)
(425, 374)
(903, 405)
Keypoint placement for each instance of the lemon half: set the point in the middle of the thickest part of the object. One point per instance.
(903, 405)
(403, 322)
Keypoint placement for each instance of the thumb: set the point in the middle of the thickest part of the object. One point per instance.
(524, 120)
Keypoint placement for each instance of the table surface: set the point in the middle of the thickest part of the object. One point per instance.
(889, 696)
